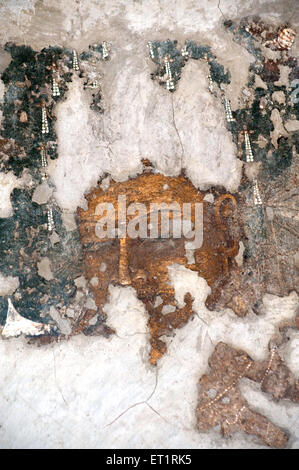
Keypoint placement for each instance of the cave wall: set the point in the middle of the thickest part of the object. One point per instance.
(117, 117)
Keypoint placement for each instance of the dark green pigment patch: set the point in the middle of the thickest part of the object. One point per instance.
(24, 241)
(168, 50)
(241, 35)
(85, 56)
(260, 267)
(96, 51)
(217, 71)
(258, 121)
(28, 80)
(24, 237)
(94, 55)
(162, 50)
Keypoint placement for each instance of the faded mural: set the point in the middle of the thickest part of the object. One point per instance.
(60, 278)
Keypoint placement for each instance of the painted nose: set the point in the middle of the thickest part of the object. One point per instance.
(123, 266)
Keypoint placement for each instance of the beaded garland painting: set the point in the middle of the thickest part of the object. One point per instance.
(266, 201)
(35, 82)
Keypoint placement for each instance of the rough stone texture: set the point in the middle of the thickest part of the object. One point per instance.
(221, 401)
(90, 398)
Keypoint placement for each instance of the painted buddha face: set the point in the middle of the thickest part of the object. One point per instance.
(133, 231)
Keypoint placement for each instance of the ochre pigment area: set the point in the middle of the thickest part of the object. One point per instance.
(221, 402)
(143, 262)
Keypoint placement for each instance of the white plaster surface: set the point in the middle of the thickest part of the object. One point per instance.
(81, 158)
(90, 392)
(134, 125)
(8, 181)
(17, 325)
(142, 121)
(99, 393)
(8, 284)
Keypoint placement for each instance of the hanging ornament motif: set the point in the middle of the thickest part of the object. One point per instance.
(248, 151)
(50, 219)
(45, 126)
(185, 53)
(42, 83)
(55, 87)
(169, 62)
(75, 61)
(93, 84)
(44, 157)
(210, 81)
(169, 81)
(151, 50)
(105, 51)
(44, 162)
(228, 111)
(256, 194)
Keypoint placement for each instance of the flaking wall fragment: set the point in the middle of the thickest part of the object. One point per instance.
(169, 137)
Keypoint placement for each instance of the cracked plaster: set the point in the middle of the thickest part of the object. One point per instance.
(93, 392)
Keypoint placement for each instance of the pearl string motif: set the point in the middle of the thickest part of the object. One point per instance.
(44, 162)
(44, 157)
(257, 199)
(256, 194)
(273, 351)
(105, 50)
(55, 87)
(151, 49)
(75, 61)
(93, 85)
(237, 417)
(184, 52)
(227, 389)
(50, 219)
(248, 151)
(169, 81)
(228, 111)
(211, 85)
(45, 126)
(234, 383)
